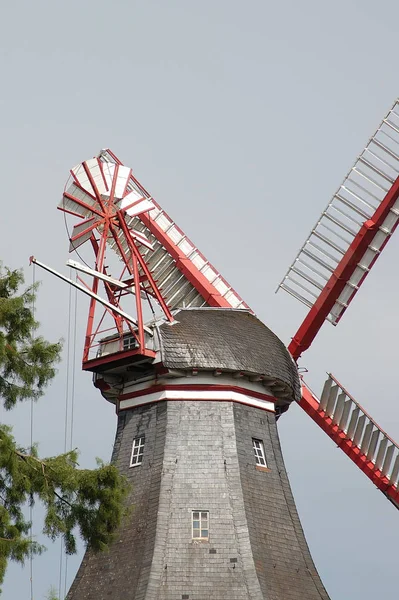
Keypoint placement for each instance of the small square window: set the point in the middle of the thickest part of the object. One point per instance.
(259, 452)
(129, 342)
(200, 525)
(137, 451)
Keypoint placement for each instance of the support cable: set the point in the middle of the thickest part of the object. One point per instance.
(74, 335)
(66, 413)
(31, 447)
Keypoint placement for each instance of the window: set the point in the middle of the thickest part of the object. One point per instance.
(129, 342)
(200, 519)
(137, 451)
(259, 452)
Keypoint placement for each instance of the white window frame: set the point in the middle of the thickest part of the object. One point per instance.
(136, 457)
(259, 451)
(203, 525)
(129, 342)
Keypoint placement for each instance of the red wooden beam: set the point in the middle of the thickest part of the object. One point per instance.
(185, 266)
(342, 274)
(310, 405)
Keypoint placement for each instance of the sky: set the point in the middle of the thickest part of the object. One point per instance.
(241, 119)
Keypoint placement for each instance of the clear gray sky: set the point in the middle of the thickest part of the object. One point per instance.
(241, 118)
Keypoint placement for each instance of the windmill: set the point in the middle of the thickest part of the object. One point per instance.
(198, 382)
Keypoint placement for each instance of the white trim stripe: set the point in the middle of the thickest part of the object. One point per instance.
(184, 394)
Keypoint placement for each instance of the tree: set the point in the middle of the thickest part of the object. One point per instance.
(90, 501)
(52, 594)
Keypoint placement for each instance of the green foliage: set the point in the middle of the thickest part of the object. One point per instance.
(83, 500)
(52, 594)
(26, 362)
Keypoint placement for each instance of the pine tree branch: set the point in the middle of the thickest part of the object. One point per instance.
(26, 458)
(90, 500)
(43, 464)
(63, 499)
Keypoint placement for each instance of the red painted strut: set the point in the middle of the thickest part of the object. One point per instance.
(311, 406)
(342, 274)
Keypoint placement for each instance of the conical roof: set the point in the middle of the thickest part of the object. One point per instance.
(229, 340)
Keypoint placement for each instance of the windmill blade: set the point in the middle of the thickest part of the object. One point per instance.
(134, 204)
(158, 259)
(349, 236)
(183, 275)
(82, 232)
(347, 423)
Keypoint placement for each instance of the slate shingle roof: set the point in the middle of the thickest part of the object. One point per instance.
(231, 340)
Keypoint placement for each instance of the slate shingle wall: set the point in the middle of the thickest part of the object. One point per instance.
(199, 456)
(201, 473)
(122, 573)
(283, 562)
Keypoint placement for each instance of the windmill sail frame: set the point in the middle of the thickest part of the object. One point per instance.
(158, 261)
(349, 236)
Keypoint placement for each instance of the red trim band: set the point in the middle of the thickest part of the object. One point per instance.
(199, 387)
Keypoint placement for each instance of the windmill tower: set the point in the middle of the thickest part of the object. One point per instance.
(198, 388)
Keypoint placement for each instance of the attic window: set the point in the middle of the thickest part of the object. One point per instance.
(259, 452)
(129, 342)
(137, 451)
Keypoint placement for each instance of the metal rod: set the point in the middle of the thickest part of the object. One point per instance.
(166, 290)
(317, 260)
(181, 290)
(315, 271)
(302, 299)
(352, 206)
(88, 292)
(328, 242)
(335, 233)
(370, 179)
(391, 125)
(346, 215)
(386, 149)
(76, 265)
(324, 253)
(307, 278)
(362, 159)
(339, 223)
(394, 140)
(301, 286)
(387, 164)
(365, 190)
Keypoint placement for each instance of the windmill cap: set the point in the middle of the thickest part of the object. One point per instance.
(231, 341)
